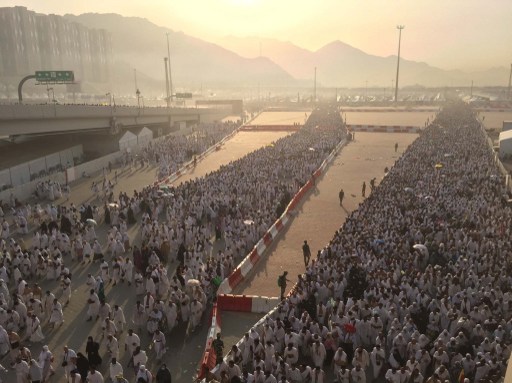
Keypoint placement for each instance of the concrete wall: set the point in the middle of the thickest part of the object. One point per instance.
(90, 167)
(25, 172)
(73, 173)
(23, 192)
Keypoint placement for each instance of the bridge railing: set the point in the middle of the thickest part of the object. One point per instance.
(42, 111)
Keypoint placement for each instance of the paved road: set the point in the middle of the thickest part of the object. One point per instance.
(185, 351)
(320, 215)
(237, 147)
(494, 120)
(281, 118)
(389, 118)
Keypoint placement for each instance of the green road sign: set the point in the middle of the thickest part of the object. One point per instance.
(66, 76)
(183, 95)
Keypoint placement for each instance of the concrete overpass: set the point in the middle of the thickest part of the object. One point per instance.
(22, 119)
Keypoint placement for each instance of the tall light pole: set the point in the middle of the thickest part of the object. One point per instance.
(314, 92)
(169, 62)
(48, 90)
(167, 82)
(509, 83)
(399, 27)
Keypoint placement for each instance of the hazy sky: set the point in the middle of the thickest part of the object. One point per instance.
(465, 34)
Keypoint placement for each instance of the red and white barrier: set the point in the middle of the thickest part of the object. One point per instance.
(244, 268)
(259, 250)
(246, 303)
(383, 128)
(389, 110)
(209, 357)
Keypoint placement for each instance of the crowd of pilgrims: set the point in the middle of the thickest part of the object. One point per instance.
(173, 151)
(413, 288)
(207, 225)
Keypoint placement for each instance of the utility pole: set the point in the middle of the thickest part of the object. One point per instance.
(168, 99)
(509, 82)
(399, 27)
(135, 77)
(314, 92)
(169, 62)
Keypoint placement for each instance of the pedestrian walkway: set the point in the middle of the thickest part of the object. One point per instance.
(185, 350)
(320, 215)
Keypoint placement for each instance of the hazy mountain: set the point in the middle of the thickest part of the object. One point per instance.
(285, 54)
(140, 44)
(339, 64)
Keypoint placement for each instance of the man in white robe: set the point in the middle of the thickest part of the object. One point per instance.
(131, 342)
(196, 311)
(57, 316)
(171, 314)
(112, 346)
(377, 360)
(318, 354)
(34, 332)
(119, 319)
(358, 375)
(159, 344)
(93, 305)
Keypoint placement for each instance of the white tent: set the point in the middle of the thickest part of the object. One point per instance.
(144, 137)
(506, 143)
(128, 140)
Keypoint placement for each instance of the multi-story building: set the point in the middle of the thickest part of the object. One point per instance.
(31, 42)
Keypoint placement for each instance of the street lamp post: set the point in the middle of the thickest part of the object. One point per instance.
(48, 89)
(168, 99)
(137, 93)
(314, 91)
(135, 79)
(399, 27)
(169, 62)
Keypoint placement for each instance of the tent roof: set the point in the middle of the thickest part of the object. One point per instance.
(505, 135)
(127, 136)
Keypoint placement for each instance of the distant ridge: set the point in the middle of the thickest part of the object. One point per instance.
(342, 65)
(140, 44)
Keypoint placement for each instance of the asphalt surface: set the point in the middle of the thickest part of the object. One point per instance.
(494, 120)
(389, 118)
(320, 213)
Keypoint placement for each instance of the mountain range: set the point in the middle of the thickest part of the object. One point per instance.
(236, 62)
